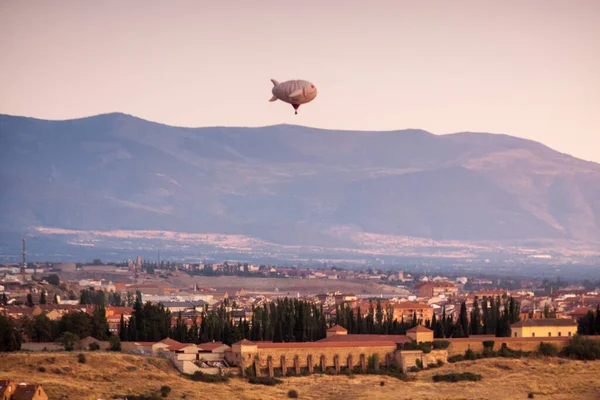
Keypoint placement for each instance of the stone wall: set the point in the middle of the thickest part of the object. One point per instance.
(267, 360)
(42, 346)
(460, 345)
(408, 358)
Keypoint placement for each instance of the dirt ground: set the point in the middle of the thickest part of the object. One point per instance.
(105, 375)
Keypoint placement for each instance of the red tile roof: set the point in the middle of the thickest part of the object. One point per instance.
(367, 338)
(322, 344)
(419, 328)
(337, 328)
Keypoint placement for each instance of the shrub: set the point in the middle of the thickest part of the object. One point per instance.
(548, 349)
(419, 363)
(410, 346)
(202, 377)
(41, 369)
(69, 340)
(264, 380)
(115, 343)
(373, 361)
(81, 358)
(382, 383)
(250, 370)
(456, 358)
(457, 377)
(530, 395)
(425, 347)
(470, 355)
(94, 346)
(440, 344)
(292, 394)
(583, 349)
(488, 344)
(165, 390)
(440, 363)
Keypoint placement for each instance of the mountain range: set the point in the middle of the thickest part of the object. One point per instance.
(288, 185)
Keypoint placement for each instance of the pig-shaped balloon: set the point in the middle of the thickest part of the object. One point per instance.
(295, 92)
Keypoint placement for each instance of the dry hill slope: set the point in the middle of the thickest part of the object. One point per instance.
(105, 375)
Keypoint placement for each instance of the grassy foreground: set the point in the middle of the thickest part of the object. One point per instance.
(105, 375)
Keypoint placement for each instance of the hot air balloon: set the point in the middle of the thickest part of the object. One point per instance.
(295, 92)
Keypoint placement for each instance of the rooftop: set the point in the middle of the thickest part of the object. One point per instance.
(544, 322)
(419, 328)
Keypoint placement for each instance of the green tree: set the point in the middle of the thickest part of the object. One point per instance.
(464, 320)
(69, 340)
(10, 336)
(43, 297)
(475, 318)
(29, 300)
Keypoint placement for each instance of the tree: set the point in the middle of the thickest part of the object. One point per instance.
(4, 299)
(52, 279)
(115, 343)
(475, 318)
(29, 300)
(10, 336)
(55, 298)
(464, 320)
(69, 340)
(43, 297)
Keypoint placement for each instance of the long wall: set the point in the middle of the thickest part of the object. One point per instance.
(349, 356)
(460, 345)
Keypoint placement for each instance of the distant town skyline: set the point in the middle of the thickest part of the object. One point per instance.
(527, 69)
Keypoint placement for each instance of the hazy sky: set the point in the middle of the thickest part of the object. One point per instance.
(526, 68)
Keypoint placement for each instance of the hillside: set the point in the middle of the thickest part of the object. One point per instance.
(291, 185)
(105, 375)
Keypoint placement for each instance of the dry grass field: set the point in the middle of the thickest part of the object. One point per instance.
(105, 375)
(284, 286)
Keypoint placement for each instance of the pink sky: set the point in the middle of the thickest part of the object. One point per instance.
(525, 68)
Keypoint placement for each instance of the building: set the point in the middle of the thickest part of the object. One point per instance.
(420, 334)
(24, 391)
(433, 289)
(7, 388)
(546, 327)
(407, 309)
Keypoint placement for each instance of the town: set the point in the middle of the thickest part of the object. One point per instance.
(221, 319)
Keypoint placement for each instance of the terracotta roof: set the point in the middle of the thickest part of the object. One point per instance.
(170, 342)
(337, 328)
(321, 344)
(180, 346)
(245, 342)
(419, 328)
(211, 345)
(367, 338)
(544, 322)
(410, 304)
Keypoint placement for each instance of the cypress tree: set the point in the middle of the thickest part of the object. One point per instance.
(29, 300)
(475, 318)
(464, 320)
(43, 297)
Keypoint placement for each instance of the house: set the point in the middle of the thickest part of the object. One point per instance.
(420, 334)
(24, 391)
(7, 388)
(433, 289)
(544, 327)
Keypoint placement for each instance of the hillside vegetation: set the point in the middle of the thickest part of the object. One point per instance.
(105, 375)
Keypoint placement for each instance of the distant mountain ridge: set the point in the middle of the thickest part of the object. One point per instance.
(291, 185)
